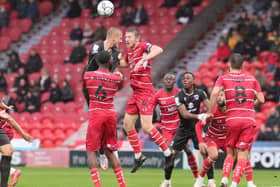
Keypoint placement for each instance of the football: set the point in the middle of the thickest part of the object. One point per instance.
(105, 8)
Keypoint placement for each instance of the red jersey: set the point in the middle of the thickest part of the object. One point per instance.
(240, 90)
(168, 109)
(216, 128)
(102, 85)
(142, 78)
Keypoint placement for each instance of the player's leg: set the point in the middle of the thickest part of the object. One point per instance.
(227, 167)
(93, 166)
(7, 151)
(94, 135)
(243, 146)
(116, 167)
(129, 126)
(147, 125)
(179, 142)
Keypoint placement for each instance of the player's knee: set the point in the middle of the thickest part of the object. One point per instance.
(7, 150)
(214, 156)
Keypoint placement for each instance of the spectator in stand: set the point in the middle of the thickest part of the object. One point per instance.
(276, 132)
(3, 82)
(259, 27)
(170, 3)
(275, 20)
(32, 103)
(34, 88)
(55, 93)
(261, 42)
(66, 92)
(243, 17)
(184, 13)
(34, 62)
(88, 34)
(261, 78)
(100, 33)
(14, 62)
(55, 78)
(21, 8)
(234, 39)
(272, 119)
(93, 8)
(21, 75)
(21, 90)
(4, 14)
(75, 9)
(9, 101)
(223, 51)
(127, 17)
(44, 81)
(140, 15)
(274, 8)
(272, 91)
(32, 11)
(275, 47)
(76, 33)
(201, 86)
(126, 3)
(262, 133)
(78, 53)
(194, 3)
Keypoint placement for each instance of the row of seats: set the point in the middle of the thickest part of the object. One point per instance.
(19, 26)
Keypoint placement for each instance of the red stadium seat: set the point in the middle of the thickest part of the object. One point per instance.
(25, 25)
(15, 34)
(4, 43)
(45, 8)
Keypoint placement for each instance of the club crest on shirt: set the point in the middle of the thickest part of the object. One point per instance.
(190, 105)
(196, 97)
(94, 49)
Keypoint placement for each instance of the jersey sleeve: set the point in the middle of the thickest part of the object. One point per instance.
(156, 99)
(203, 95)
(147, 46)
(198, 130)
(219, 83)
(85, 91)
(178, 99)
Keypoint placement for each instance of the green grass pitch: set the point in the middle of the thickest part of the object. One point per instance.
(79, 177)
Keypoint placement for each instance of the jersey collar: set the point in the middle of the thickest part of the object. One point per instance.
(187, 93)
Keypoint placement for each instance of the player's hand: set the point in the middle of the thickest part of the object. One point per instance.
(202, 117)
(4, 106)
(27, 137)
(202, 148)
(139, 64)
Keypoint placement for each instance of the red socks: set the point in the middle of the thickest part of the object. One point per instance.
(208, 162)
(228, 164)
(158, 139)
(239, 169)
(134, 141)
(249, 171)
(95, 177)
(193, 165)
(120, 177)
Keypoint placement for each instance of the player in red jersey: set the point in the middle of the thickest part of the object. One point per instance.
(6, 134)
(214, 138)
(102, 85)
(165, 98)
(240, 93)
(141, 103)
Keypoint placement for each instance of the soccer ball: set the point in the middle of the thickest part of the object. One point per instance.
(105, 8)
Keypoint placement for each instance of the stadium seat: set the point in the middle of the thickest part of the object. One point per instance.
(45, 8)
(25, 25)
(4, 43)
(14, 34)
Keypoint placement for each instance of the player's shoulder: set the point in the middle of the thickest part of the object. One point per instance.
(180, 93)
(177, 90)
(247, 76)
(198, 91)
(160, 91)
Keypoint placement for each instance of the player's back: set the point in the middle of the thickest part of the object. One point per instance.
(167, 105)
(217, 127)
(142, 78)
(102, 85)
(240, 90)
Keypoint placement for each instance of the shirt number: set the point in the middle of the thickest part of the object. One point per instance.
(99, 89)
(240, 95)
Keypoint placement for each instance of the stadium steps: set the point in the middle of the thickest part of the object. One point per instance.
(209, 44)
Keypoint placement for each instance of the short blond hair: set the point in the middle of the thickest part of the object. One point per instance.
(113, 31)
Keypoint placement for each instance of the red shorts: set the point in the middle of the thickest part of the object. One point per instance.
(141, 103)
(102, 132)
(240, 134)
(215, 142)
(168, 134)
